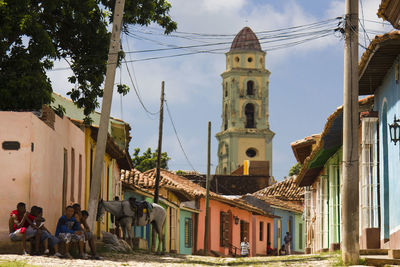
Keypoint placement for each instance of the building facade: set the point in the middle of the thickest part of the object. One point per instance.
(245, 132)
(379, 75)
(42, 160)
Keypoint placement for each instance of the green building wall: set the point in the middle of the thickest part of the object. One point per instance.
(185, 248)
(299, 231)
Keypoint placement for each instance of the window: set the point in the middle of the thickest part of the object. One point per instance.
(250, 59)
(249, 112)
(261, 231)
(72, 175)
(11, 145)
(188, 232)
(226, 89)
(65, 181)
(80, 179)
(268, 233)
(251, 152)
(224, 236)
(226, 117)
(237, 59)
(250, 88)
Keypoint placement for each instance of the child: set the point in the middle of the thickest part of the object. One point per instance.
(46, 237)
(69, 230)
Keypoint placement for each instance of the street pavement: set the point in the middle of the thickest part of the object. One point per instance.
(146, 259)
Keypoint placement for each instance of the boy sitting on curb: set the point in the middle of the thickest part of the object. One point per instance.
(69, 230)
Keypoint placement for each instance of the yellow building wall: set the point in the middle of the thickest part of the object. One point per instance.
(245, 143)
(90, 149)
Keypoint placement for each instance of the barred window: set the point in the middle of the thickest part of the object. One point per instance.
(188, 232)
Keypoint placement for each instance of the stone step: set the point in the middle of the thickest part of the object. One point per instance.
(374, 251)
(375, 261)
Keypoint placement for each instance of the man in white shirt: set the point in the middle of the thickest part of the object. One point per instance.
(244, 248)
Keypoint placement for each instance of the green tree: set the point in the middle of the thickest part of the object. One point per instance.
(295, 169)
(35, 33)
(148, 160)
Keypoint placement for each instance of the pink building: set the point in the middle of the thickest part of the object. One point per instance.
(230, 221)
(42, 163)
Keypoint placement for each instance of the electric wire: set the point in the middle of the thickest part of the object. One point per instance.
(137, 93)
(177, 136)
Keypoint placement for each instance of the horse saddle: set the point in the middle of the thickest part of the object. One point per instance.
(140, 207)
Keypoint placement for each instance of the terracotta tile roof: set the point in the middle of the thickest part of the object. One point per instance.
(246, 39)
(285, 190)
(313, 172)
(377, 59)
(295, 206)
(390, 10)
(302, 148)
(174, 182)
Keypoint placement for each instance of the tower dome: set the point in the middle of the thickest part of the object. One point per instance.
(246, 39)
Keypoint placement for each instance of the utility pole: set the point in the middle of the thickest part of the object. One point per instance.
(158, 165)
(207, 189)
(160, 130)
(350, 190)
(105, 111)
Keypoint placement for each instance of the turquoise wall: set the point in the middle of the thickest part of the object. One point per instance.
(183, 249)
(387, 103)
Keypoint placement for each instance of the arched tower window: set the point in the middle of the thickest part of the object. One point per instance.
(250, 88)
(249, 112)
(226, 89)
(226, 117)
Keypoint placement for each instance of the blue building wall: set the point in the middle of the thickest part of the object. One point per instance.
(387, 103)
(286, 216)
(139, 231)
(185, 248)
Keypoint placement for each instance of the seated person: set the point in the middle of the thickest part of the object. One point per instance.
(46, 237)
(69, 230)
(33, 228)
(81, 216)
(270, 250)
(19, 221)
(89, 235)
(282, 251)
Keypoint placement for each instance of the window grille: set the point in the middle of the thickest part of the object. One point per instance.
(368, 171)
(335, 224)
(188, 232)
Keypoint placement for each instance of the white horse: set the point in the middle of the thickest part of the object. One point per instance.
(127, 218)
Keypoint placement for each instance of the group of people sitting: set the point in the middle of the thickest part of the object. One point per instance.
(72, 227)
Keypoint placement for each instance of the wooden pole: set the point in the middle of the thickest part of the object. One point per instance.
(350, 189)
(207, 189)
(160, 130)
(105, 111)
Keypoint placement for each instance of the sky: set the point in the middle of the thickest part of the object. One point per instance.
(306, 81)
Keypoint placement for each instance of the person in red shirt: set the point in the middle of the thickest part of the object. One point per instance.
(19, 221)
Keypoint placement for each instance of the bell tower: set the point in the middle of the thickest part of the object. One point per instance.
(245, 133)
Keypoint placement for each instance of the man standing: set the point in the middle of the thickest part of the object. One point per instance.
(244, 248)
(288, 240)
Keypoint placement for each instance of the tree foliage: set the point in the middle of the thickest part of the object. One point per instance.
(295, 169)
(35, 33)
(148, 160)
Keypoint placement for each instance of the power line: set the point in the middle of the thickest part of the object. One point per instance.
(137, 93)
(177, 137)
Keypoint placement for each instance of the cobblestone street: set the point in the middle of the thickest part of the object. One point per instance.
(143, 259)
